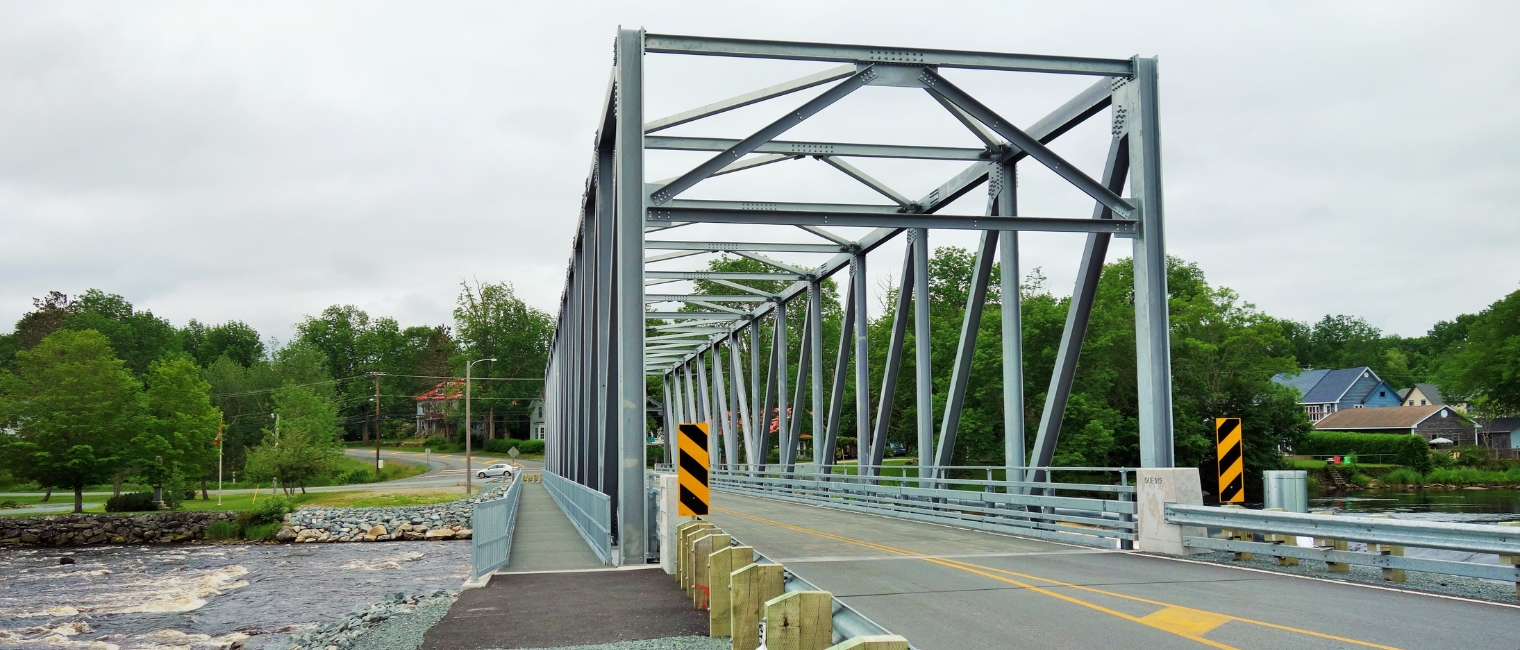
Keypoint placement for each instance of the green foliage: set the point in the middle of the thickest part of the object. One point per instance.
(493, 323)
(269, 510)
(74, 406)
(245, 394)
(1487, 367)
(178, 442)
(222, 531)
(261, 532)
(235, 340)
(1359, 479)
(1403, 476)
(131, 502)
(304, 442)
(1406, 449)
(523, 446)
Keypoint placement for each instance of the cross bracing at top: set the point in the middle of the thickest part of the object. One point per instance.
(633, 322)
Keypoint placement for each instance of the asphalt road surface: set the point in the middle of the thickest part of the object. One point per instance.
(444, 470)
(949, 589)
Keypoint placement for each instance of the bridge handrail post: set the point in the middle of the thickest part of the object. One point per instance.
(750, 588)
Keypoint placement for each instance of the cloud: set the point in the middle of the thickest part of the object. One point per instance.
(260, 161)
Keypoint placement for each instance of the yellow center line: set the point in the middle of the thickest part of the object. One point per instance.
(1182, 621)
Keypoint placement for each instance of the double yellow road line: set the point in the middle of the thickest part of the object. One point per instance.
(1186, 622)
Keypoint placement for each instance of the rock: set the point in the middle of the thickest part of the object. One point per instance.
(441, 533)
(377, 531)
(65, 560)
(464, 533)
(286, 534)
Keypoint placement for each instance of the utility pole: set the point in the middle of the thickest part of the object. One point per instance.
(377, 423)
(219, 464)
(467, 366)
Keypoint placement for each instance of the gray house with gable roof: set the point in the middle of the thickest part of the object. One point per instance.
(1327, 391)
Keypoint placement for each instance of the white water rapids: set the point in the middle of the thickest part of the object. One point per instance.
(200, 597)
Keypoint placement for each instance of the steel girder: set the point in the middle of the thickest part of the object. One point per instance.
(605, 345)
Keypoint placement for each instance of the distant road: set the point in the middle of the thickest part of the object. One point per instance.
(444, 470)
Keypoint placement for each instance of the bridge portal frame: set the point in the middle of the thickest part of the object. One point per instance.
(603, 347)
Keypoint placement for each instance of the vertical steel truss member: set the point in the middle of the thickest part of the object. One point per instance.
(599, 358)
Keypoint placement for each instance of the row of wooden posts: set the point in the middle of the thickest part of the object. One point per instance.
(739, 594)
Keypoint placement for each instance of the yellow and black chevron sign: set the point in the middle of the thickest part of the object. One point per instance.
(1232, 477)
(691, 469)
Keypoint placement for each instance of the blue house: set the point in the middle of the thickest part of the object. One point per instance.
(1326, 391)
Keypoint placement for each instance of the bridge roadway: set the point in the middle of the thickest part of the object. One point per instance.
(951, 589)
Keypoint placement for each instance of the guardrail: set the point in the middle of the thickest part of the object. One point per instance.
(590, 511)
(493, 523)
(1030, 508)
(1473, 538)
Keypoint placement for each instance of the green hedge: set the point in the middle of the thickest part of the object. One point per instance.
(1408, 450)
(523, 446)
(131, 502)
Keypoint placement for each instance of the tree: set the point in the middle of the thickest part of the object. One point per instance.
(302, 444)
(1486, 370)
(138, 337)
(234, 339)
(74, 406)
(244, 394)
(183, 425)
(492, 322)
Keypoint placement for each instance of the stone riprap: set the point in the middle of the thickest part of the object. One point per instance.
(396, 623)
(75, 530)
(441, 521)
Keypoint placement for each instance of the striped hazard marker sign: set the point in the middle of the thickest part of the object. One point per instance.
(1232, 477)
(691, 469)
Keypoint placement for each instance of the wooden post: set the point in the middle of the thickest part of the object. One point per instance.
(676, 547)
(1391, 575)
(701, 549)
(1337, 544)
(750, 588)
(1274, 538)
(800, 620)
(720, 565)
(683, 551)
(1512, 560)
(873, 642)
(1240, 536)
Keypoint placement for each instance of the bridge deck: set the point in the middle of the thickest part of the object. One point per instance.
(544, 539)
(948, 588)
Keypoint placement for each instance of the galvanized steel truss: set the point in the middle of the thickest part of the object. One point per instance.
(604, 346)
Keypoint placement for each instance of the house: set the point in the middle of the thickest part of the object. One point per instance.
(1503, 435)
(1323, 392)
(1421, 395)
(1429, 422)
(536, 426)
(434, 407)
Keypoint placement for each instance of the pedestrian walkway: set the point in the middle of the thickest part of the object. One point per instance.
(544, 539)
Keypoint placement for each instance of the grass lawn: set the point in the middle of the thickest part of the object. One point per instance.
(346, 499)
(1320, 464)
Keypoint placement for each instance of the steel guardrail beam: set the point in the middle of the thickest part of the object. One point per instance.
(1473, 538)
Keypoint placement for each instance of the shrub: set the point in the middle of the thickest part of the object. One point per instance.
(1406, 449)
(222, 531)
(1403, 476)
(1471, 455)
(131, 502)
(358, 475)
(523, 446)
(267, 511)
(261, 531)
(1360, 480)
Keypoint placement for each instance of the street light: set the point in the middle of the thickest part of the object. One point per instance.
(467, 470)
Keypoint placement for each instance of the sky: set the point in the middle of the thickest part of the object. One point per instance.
(259, 161)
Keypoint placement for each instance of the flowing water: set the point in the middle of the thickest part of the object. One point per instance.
(1460, 506)
(199, 597)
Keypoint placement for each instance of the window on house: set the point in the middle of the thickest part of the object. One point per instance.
(1422, 402)
(1382, 393)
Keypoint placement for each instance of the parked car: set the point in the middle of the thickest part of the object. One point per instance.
(897, 448)
(504, 470)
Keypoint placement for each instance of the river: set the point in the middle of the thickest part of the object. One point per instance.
(200, 597)
(1462, 506)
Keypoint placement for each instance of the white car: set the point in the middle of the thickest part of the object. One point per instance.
(504, 470)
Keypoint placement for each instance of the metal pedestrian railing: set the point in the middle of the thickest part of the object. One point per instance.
(493, 522)
(1092, 514)
(1331, 533)
(590, 511)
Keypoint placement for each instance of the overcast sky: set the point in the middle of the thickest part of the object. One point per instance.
(259, 161)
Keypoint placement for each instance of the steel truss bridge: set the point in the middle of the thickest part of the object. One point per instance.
(611, 337)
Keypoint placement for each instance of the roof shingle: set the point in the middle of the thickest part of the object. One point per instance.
(1388, 417)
